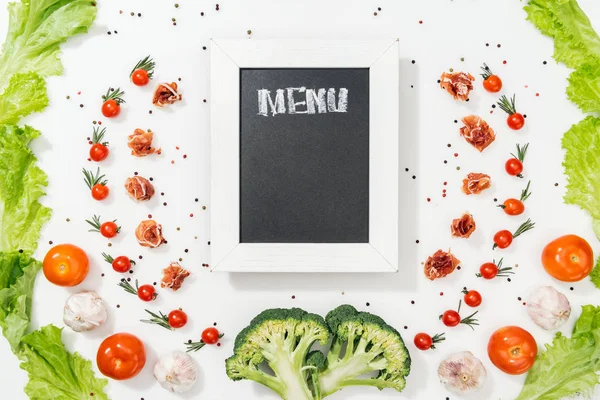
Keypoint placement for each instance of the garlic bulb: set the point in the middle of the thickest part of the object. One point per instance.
(548, 307)
(176, 372)
(84, 311)
(462, 372)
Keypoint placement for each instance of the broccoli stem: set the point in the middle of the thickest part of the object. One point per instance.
(343, 372)
(290, 376)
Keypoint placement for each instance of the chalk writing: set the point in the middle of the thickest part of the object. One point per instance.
(312, 101)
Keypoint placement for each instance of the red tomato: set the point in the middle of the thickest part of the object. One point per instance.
(472, 298)
(146, 292)
(177, 319)
(423, 341)
(512, 350)
(110, 108)
(568, 258)
(66, 265)
(210, 335)
(513, 167)
(515, 121)
(513, 207)
(488, 270)
(493, 84)
(109, 229)
(503, 239)
(121, 356)
(139, 77)
(121, 264)
(451, 318)
(99, 191)
(98, 152)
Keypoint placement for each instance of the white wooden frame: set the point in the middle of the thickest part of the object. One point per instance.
(381, 253)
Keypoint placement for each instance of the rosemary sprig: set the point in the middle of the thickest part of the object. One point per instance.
(506, 105)
(521, 152)
(147, 64)
(195, 346)
(90, 179)
(525, 226)
(470, 321)
(502, 271)
(525, 193)
(114, 94)
(437, 338)
(487, 72)
(95, 223)
(130, 289)
(98, 136)
(161, 320)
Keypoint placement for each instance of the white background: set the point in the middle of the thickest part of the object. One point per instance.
(450, 30)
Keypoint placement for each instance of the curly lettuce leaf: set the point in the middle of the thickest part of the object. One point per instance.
(582, 166)
(568, 366)
(595, 275)
(26, 93)
(575, 41)
(54, 373)
(584, 87)
(22, 183)
(36, 30)
(17, 276)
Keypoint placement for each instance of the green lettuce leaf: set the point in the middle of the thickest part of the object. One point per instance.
(26, 93)
(54, 373)
(584, 87)
(595, 275)
(582, 166)
(567, 366)
(21, 185)
(575, 41)
(36, 29)
(17, 276)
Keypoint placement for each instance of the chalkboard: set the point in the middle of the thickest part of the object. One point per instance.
(304, 155)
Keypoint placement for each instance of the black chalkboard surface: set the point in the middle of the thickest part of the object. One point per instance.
(304, 155)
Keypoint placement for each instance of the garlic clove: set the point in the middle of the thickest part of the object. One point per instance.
(548, 308)
(462, 373)
(176, 372)
(84, 311)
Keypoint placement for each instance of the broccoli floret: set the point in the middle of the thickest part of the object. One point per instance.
(281, 339)
(315, 364)
(363, 344)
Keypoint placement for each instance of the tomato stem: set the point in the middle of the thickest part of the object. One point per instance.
(506, 105)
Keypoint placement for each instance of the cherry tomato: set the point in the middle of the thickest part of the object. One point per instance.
(515, 121)
(512, 350)
(513, 207)
(109, 229)
(146, 292)
(210, 335)
(99, 191)
(139, 77)
(66, 265)
(121, 356)
(177, 319)
(568, 258)
(472, 297)
(493, 84)
(121, 264)
(513, 167)
(451, 318)
(423, 341)
(110, 108)
(98, 152)
(503, 239)
(488, 270)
